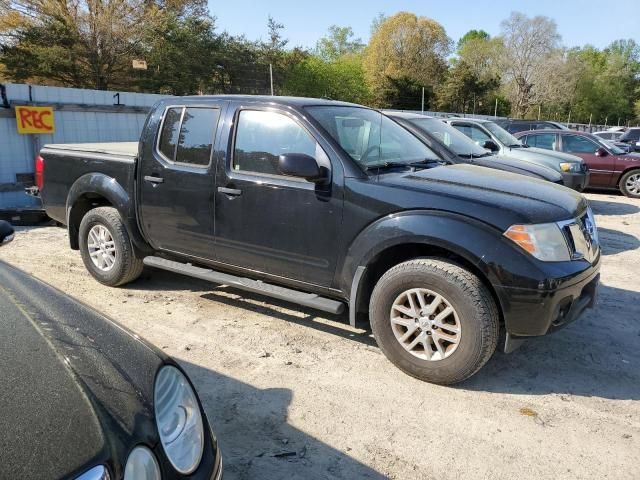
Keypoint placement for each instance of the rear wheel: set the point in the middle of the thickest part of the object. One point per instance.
(106, 248)
(434, 320)
(630, 184)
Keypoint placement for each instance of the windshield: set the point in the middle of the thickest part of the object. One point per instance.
(609, 145)
(502, 135)
(449, 136)
(371, 138)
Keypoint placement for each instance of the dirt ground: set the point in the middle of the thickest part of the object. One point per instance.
(295, 394)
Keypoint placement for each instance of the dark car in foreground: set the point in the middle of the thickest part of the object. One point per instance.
(610, 167)
(495, 138)
(83, 398)
(455, 147)
(329, 204)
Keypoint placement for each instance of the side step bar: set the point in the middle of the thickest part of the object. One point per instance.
(255, 286)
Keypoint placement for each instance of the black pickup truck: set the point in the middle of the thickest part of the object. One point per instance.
(327, 204)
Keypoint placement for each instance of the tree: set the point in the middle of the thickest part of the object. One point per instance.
(86, 43)
(337, 43)
(172, 72)
(341, 79)
(472, 35)
(607, 81)
(407, 47)
(528, 44)
(463, 89)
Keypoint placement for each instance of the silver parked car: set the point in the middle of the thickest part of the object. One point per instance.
(491, 136)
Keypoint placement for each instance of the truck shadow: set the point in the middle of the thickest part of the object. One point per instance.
(614, 241)
(256, 439)
(602, 207)
(597, 356)
(334, 324)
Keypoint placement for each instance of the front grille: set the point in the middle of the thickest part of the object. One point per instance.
(582, 237)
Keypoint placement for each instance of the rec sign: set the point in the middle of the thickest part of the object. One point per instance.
(35, 119)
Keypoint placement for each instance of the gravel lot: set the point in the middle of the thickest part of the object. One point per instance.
(296, 394)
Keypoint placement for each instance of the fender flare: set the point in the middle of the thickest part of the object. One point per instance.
(478, 243)
(108, 188)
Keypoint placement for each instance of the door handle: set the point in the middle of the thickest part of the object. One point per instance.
(234, 192)
(149, 178)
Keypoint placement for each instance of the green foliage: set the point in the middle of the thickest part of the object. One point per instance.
(472, 35)
(464, 91)
(405, 49)
(342, 79)
(337, 43)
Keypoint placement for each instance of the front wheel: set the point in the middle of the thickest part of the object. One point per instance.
(434, 320)
(106, 248)
(630, 184)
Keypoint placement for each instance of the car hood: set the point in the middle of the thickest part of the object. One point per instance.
(549, 158)
(69, 375)
(496, 197)
(521, 166)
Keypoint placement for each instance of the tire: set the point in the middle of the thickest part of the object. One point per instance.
(630, 184)
(474, 314)
(125, 266)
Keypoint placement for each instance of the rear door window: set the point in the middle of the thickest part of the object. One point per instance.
(542, 140)
(577, 144)
(473, 132)
(187, 135)
(196, 136)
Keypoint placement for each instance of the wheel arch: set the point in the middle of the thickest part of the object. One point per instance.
(94, 190)
(462, 240)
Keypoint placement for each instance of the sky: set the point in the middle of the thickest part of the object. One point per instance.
(579, 22)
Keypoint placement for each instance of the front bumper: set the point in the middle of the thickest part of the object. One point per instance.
(576, 180)
(535, 312)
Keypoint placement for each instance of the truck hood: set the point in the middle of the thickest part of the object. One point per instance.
(496, 197)
(77, 389)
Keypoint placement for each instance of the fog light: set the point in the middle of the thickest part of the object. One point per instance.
(142, 465)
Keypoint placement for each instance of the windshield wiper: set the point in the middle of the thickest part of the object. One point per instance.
(426, 163)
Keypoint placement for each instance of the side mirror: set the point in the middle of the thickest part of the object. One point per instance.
(300, 165)
(490, 145)
(601, 152)
(6, 232)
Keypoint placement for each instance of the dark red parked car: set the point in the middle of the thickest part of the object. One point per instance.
(610, 167)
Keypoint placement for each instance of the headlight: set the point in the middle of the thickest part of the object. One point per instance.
(545, 241)
(179, 420)
(570, 166)
(141, 465)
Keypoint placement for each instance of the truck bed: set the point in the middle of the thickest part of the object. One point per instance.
(129, 149)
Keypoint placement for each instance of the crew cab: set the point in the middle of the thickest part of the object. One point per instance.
(329, 204)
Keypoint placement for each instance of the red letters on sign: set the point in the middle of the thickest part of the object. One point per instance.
(35, 119)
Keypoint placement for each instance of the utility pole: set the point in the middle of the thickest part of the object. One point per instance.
(495, 110)
(422, 99)
(474, 104)
(605, 121)
(618, 122)
(539, 108)
(569, 118)
(590, 117)
(271, 77)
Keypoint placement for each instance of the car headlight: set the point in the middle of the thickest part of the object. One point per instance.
(545, 241)
(179, 420)
(570, 166)
(142, 465)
